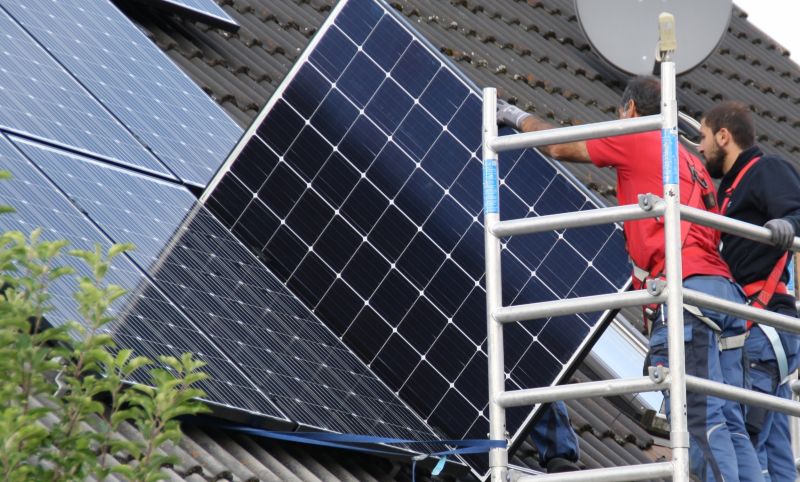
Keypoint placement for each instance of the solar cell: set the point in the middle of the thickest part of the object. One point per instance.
(146, 320)
(204, 10)
(396, 132)
(39, 98)
(292, 358)
(135, 81)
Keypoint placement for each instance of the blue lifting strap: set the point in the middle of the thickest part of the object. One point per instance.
(357, 442)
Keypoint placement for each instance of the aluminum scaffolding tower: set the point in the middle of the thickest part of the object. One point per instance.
(672, 292)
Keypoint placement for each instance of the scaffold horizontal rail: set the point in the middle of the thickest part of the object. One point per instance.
(655, 470)
(576, 391)
(703, 300)
(730, 225)
(592, 217)
(750, 397)
(577, 133)
(571, 306)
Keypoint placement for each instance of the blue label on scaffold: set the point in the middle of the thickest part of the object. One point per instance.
(491, 187)
(669, 155)
(790, 284)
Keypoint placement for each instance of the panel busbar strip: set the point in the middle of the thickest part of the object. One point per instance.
(360, 188)
(246, 313)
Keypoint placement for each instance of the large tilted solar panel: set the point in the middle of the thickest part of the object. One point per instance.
(135, 80)
(292, 359)
(147, 321)
(361, 189)
(39, 98)
(204, 10)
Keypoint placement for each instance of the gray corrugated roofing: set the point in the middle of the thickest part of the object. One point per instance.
(534, 52)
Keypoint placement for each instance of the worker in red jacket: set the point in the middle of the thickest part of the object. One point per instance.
(763, 190)
(720, 447)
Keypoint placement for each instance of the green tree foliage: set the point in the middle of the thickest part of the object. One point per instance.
(93, 394)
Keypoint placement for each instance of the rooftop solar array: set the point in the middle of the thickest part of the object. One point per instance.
(223, 292)
(135, 81)
(95, 123)
(360, 188)
(148, 322)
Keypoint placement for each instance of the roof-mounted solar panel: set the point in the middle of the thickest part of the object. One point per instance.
(135, 81)
(359, 184)
(206, 11)
(146, 320)
(297, 370)
(40, 99)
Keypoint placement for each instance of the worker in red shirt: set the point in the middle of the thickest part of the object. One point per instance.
(720, 447)
(759, 189)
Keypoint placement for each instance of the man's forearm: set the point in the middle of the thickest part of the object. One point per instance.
(532, 123)
(513, 116)
(569, 152)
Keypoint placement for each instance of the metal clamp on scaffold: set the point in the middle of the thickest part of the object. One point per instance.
(648, 201)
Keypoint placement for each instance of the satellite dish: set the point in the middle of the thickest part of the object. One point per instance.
(625, 32)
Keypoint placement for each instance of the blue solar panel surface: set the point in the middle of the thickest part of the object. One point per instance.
(135, 81)
(246, 313)
(361, 189)
(147, 321)
(207, 9)
(39, 98)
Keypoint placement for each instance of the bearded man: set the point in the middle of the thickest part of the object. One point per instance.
(763, 190)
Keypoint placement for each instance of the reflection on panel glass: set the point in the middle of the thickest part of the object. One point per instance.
(226, 292)
(361, 189)
(136, 81)
(625, 361)
(205, 10)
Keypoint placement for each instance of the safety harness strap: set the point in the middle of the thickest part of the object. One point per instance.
(759, 295)
(777, 347)
(702, 317)
(733, 342)
(729, 192)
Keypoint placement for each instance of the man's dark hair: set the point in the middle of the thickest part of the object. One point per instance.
(734, 116)
(645, 92)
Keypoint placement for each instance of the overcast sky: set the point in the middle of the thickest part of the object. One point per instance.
(778, 18)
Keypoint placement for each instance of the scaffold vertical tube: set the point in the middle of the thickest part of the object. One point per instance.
(498, 457)
(679, 434)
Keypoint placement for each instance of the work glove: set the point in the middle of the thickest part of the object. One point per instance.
(510, 115)
(781, 233)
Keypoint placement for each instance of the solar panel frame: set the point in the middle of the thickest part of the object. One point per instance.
(325, 65)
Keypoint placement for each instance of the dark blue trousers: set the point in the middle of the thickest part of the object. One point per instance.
(553, 435)
(720, 446)
(770, 430)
